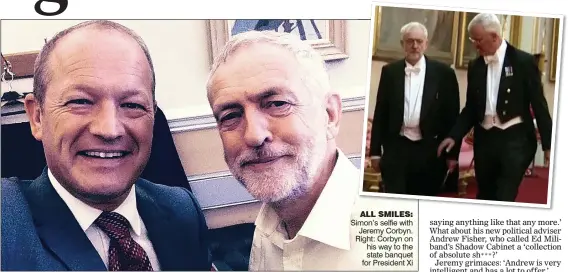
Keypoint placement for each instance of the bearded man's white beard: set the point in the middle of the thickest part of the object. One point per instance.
(284, 183)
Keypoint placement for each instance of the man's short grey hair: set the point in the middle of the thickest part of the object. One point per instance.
(490, 23)
(314, 72)
(411, 26)
(42, 69)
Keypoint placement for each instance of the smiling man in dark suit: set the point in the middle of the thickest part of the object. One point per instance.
(417, 105)
(503, 84)
(93, 110)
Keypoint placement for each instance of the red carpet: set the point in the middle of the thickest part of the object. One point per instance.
(532, 190)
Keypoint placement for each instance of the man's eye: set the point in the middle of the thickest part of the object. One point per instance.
(133, 106)
(276, 104)
(229, 116)
(277, 107)
(79, 102)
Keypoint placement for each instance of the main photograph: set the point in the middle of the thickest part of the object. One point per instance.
(191, 145)
(461, 106)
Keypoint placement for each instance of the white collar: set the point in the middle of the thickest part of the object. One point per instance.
(333, 209)
(86, 215)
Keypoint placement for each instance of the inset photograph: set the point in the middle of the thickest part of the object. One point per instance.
(461, 105)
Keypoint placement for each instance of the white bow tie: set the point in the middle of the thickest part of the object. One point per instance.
(414, 70)
(491, 59)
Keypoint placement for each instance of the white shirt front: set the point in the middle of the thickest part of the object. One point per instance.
(413, 90)
(494, 70)
(326, 240)
(86, 216)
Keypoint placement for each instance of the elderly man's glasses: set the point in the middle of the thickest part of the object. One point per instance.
(413, 41)
(478, 40)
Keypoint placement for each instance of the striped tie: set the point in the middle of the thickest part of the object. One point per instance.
(124, 254)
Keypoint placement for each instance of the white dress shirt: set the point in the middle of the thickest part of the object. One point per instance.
(494, 70)
(326, 241)
(413, 90)
(86, 216)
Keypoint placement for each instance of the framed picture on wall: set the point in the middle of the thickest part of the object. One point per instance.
(554, 49)
(326, 36)
(442, 29)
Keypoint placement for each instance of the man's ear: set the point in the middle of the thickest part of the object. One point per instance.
(34, 113)
(334, 111)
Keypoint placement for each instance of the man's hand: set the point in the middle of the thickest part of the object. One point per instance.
(547, 158)
(375, 164)
(451, 165)
(447, 144)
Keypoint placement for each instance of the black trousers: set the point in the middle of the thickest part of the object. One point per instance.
(412, 167)
(501, 158)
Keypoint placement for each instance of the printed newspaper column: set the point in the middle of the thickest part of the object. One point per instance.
(494, 245)
(386, 233)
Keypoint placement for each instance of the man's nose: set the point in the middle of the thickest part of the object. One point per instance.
(106, 122)
(256, 129)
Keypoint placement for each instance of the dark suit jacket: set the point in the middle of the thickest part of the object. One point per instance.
(39, 232)
(440, 104)
(517, 93)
